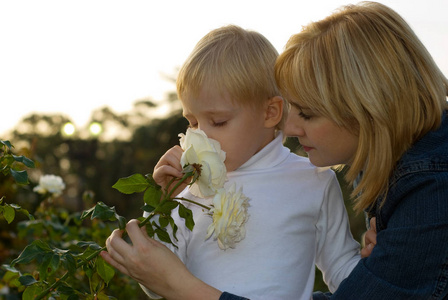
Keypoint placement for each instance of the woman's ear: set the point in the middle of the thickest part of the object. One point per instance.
(274, 112)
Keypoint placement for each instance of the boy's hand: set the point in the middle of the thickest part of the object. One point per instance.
(369, 239)
(168, 167)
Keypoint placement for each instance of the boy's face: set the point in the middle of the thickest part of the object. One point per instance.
(238, 128)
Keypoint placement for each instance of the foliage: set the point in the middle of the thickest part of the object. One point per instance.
(9, 162)
(56, 264)
(59, 247)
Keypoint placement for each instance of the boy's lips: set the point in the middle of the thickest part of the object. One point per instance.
(307, 149)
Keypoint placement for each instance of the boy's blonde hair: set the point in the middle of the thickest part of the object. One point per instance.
(364, 68)
(233, 60)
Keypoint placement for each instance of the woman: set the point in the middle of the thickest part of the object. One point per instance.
(366, 93)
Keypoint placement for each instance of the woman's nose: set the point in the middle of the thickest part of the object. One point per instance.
(293, 127)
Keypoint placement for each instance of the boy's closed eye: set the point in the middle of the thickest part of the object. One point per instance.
(219, 124)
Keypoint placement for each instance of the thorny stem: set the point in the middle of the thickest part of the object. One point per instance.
(185, 177)
(194, 202)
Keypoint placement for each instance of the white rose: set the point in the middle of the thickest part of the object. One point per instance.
(50, 184)
(199, 149)
(229, 214)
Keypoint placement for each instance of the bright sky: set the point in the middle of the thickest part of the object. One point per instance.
(76, 56)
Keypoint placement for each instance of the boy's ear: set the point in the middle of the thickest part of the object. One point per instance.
(274, 112)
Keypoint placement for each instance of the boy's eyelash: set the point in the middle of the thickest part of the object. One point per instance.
(219, 124)
(215, 124)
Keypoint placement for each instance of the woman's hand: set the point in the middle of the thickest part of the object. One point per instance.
(369, 239)
(154, 266)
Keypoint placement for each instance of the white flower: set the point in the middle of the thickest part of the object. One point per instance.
(199, 149)
(50, 184)
(229, 214)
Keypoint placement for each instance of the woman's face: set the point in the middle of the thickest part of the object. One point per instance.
(326, 143)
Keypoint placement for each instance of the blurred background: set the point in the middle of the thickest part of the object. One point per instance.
(87, 88)
(72, 57)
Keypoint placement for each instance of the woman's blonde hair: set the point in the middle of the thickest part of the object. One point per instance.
(235, 61)
(364, 68)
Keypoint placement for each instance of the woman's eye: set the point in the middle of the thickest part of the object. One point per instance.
(304, 116)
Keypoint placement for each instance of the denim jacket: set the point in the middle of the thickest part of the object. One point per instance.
(410, 259)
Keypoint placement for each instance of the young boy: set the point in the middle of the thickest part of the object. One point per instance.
(297, 215)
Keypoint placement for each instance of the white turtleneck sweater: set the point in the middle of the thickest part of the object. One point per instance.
(297, 220)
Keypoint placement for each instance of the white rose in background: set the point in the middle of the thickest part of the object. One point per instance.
(50, 184)
(199, 149)
(229, 214)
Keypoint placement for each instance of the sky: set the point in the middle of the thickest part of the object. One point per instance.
(72, 57)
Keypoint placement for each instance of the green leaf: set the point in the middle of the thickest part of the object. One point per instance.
(8, 212)
(24, 160)
(48, 265)
(33, 250)
(102, 296)
(19, 209)
(88, 270)
(103, 212)
(167, 207)
(7, 144)
(10, 269)
(69, 262)
(147, 208)
(68, 291)
(152, 196)
(84, 244)
(87, 213)
(96, 282)
(21, 177)
(27, 280)
(187, 214)
(121, 221)
(10, 275)
(163, 235)
(163, 221)
(149, 230)
(31, 292)
(43, 265)
(105, 271)
(174, 227)
(133, 184)
(152, 182)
